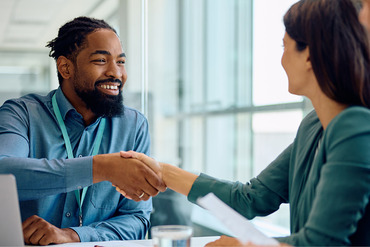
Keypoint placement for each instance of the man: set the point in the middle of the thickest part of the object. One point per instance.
(51, 144)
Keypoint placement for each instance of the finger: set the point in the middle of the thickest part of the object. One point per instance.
(29, 221)
(152, 163)
(125, 154)
(145, 197)
(37, 237)
(122, 192)
(153, 183)
(156, 184)
(141, 194)
(142, 197)
(150, 183)
(46, 239)
(29, 226)
(36, 233)
(142, 178)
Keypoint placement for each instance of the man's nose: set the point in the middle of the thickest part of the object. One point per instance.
(114, 70)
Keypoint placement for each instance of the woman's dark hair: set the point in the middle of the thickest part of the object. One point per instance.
(72, 36)
(338, 47)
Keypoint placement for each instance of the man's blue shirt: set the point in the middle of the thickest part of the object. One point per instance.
(32, 148)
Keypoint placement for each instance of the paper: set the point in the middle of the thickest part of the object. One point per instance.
(236, 223)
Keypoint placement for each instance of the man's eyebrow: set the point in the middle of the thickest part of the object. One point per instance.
(103, 52)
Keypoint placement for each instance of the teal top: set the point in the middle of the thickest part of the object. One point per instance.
(323, 175)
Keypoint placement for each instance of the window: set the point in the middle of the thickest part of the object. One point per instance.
(219, 100)
(217, 94)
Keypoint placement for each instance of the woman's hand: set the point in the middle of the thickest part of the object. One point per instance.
(226, 241)
(229, 241)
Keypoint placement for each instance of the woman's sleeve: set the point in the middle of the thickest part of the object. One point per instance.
(261, 196)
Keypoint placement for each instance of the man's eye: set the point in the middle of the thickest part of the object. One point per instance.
(99, 60)
(121, 62)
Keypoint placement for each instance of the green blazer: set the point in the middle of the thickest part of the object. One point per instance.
(323, 175)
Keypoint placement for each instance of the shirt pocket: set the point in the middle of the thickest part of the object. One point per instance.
(104, 196)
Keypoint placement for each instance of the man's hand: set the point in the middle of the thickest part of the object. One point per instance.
(137, 180)
(38, 231)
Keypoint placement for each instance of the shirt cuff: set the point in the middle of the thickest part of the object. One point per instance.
(86, 234)
(200, 187)
(79, 173)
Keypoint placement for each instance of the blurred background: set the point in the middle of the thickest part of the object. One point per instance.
(206, 73)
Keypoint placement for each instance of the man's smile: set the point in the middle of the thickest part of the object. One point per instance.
(110, 88)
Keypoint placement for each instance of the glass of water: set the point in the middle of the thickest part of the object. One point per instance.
(171, 236)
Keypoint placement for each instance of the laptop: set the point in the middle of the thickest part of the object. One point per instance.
(10, 217)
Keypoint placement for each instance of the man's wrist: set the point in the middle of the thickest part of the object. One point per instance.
(98, 171)
(72, 235)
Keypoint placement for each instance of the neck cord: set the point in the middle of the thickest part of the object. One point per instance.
(80, 198)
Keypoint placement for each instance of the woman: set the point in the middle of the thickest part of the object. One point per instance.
(364, 15)
(325, 173)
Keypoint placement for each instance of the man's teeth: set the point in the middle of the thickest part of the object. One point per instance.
(109, 87)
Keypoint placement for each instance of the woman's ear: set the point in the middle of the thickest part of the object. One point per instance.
(65, 67)
(308, 59)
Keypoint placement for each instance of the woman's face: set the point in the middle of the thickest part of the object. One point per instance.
(364, 15)
(295, 64)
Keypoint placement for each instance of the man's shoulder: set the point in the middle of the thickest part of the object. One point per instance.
(31, 99)
(130, 115)
(131, 112)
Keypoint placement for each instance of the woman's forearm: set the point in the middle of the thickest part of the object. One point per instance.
(177, 179)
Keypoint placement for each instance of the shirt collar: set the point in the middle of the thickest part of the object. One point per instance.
(64, 105)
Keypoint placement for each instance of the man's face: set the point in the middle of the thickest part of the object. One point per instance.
(100, 73)
(364, 15)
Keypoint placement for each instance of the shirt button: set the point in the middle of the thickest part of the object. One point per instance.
(68, 214)
(80, 156)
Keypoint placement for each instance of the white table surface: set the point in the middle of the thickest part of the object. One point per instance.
(195, 242)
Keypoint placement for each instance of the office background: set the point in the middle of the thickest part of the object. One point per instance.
(206, 73)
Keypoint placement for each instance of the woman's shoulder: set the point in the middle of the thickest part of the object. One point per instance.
(354, 120)
(310, 123)
(355, 111)
(352, 116)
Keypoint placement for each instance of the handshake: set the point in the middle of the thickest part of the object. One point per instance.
(153, 183)
(139, 177)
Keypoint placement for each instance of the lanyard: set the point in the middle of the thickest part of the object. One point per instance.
(80, 198)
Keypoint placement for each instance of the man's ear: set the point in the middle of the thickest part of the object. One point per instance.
(65, 67)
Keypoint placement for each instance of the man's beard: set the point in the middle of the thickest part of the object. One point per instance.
(103, 105)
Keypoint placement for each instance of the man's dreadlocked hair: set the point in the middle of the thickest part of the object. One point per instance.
(72, 36)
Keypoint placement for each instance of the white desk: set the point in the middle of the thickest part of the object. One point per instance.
(195, 242)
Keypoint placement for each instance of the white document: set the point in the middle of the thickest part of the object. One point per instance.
(236, 223)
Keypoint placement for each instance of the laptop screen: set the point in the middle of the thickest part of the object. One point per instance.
(10, 217)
